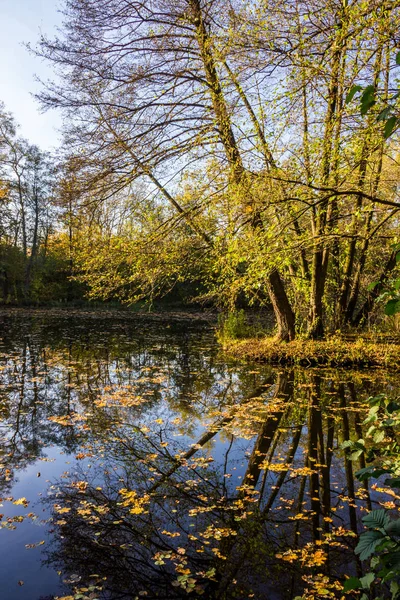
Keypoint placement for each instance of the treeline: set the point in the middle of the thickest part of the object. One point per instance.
(34, 267)
(209, 146)
(45, 230)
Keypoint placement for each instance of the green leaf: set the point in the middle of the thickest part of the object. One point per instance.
(367, 580)
(368, 92)
(376, 400)
(392, 407)
(356, 454)
(367, 472)
(385, 114)
(367, 544)
(372, 286)
(379, 436)
(376, 519)
(393, 483)
(398, 58)
(391, 560)
(390, 125)
(372, 414)
(347, 444)
(374, 562)
(394, 588)
(392, 307)
(352, 583)
(367, 99)
(393, 528)
(351, 93)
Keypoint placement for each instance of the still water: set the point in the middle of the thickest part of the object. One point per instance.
(138, 462)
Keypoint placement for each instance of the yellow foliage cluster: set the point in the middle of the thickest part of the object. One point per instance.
(132, 501)
(307, 556)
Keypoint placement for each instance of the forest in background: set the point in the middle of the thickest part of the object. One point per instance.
(213, 151)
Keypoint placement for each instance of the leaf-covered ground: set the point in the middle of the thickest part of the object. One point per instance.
(336, 351)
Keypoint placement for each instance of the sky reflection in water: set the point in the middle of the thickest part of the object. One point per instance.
(136, 461)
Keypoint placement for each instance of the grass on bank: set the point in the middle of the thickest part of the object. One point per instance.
(250, 338)
(335, 351)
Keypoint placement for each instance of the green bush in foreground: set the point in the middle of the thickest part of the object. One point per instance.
(381, 542)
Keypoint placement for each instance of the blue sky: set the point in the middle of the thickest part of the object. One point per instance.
(21, 22)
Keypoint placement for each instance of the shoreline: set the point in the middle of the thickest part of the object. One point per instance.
(334, 351)
(117, 313)
(340, 351)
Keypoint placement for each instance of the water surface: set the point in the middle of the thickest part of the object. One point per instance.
(137, 461)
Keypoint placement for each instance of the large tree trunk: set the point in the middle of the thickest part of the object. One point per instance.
(280, 302)
(32, 257)
(284, 389)
(355, 290)
(23, 215)
(284, 314)
(316, 323)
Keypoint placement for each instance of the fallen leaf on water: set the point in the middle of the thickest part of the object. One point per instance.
(22, 501)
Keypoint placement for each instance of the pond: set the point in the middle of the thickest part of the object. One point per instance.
(138, 461)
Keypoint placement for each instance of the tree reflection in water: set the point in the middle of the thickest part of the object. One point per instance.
(191, 474)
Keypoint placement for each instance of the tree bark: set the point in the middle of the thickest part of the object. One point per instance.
(32, 257)
(284, 314)
(276, 289)
(316, 324)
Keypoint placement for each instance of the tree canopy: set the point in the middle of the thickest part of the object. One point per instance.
(209, 143)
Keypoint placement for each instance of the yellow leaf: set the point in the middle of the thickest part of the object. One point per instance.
(22, 501)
